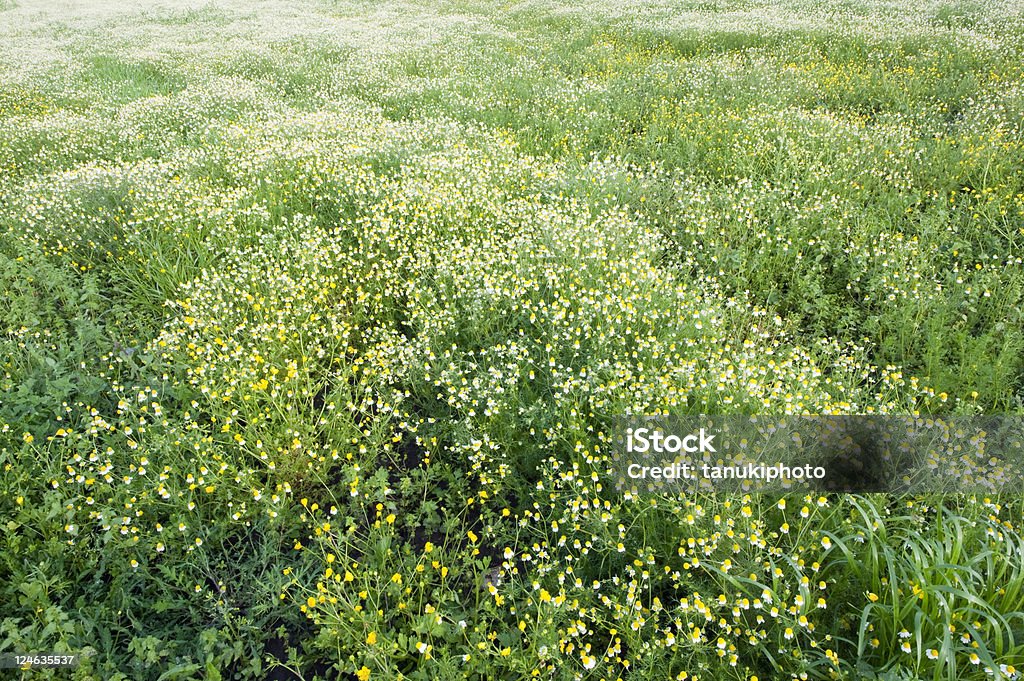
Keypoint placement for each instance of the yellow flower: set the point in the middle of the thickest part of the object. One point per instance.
(472, 536)
(363, 674)
(311, 602)
(372, 638)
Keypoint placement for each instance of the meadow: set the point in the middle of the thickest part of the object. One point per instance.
(317, 317)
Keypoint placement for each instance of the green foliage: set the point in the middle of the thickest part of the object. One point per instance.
(315, 327)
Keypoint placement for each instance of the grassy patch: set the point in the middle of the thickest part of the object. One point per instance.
(316, 328)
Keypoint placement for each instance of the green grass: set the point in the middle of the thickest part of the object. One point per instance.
(318, 322)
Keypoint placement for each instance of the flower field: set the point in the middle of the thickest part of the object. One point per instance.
(317, 319)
